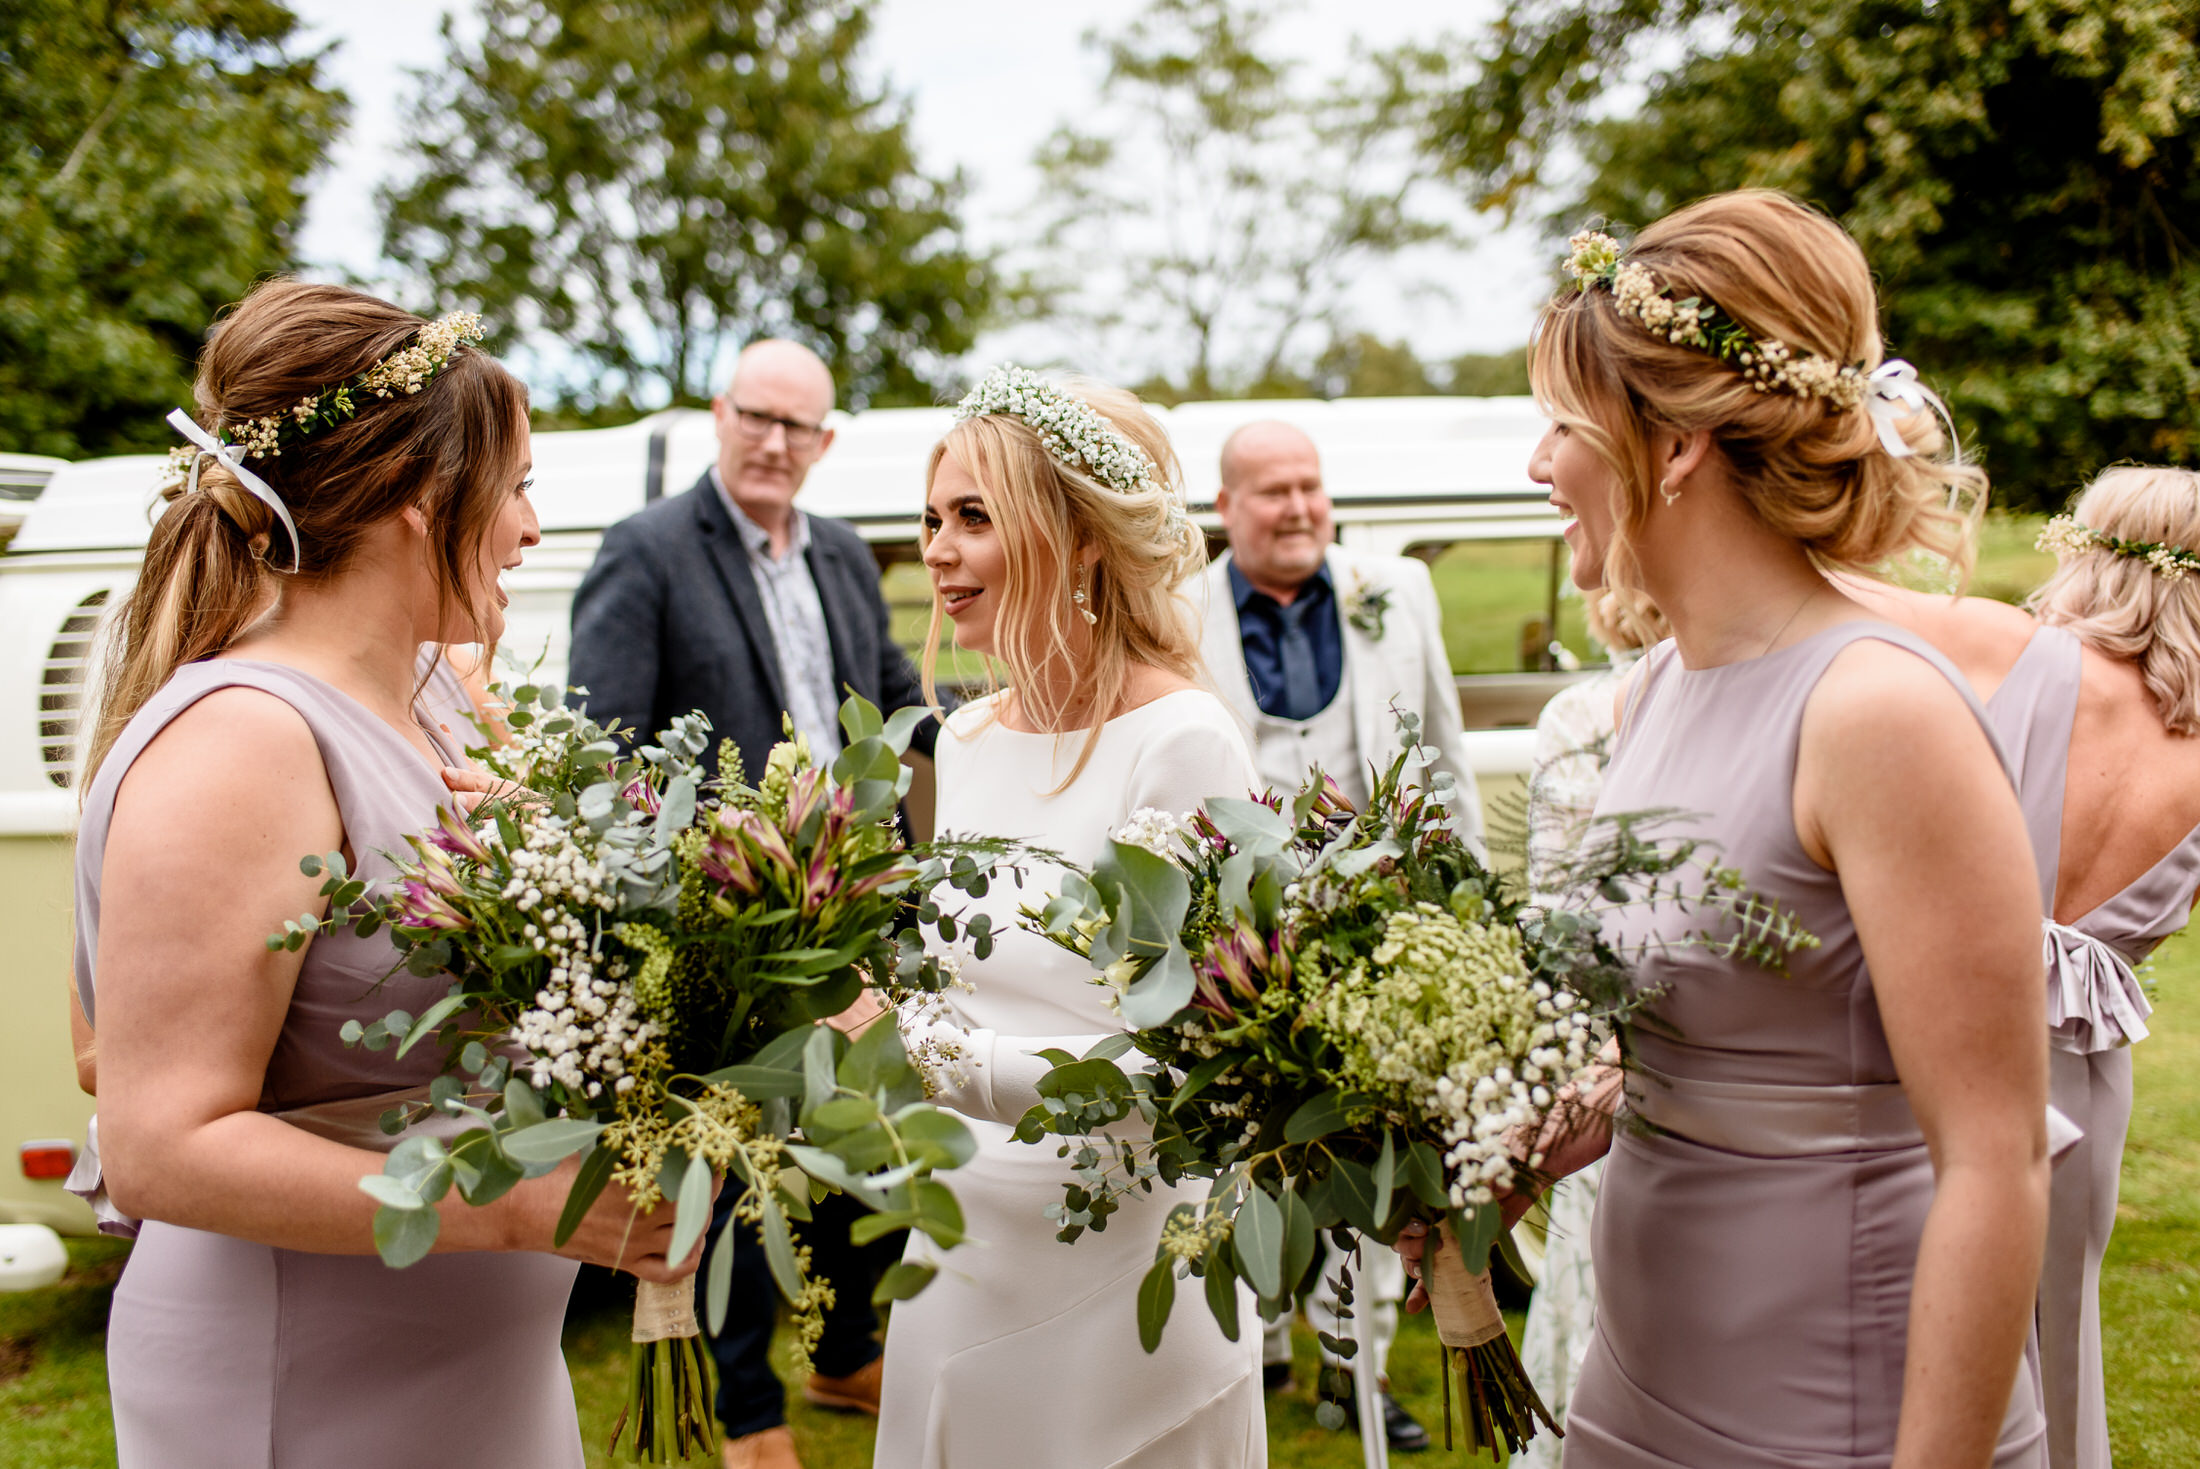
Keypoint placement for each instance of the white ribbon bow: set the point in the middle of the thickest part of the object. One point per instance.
(183, 423)
(1893, 393)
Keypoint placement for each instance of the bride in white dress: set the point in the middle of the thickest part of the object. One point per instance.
(1055, 540)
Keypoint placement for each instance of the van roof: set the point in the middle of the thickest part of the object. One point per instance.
(1391, 459)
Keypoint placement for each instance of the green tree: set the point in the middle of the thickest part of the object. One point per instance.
(153, 160)
(2021, 176)
(1216, 210)
(1488, 374)
(1363, 365)
(649, 182)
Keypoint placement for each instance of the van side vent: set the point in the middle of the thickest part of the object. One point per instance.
(61, 689)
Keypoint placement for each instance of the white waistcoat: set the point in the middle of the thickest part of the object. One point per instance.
(1285, 749)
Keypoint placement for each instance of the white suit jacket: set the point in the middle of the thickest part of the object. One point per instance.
(1407, 665)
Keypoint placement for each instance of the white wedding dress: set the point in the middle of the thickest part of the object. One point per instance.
(1023, 1353)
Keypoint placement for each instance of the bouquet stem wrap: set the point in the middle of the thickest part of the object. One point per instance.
(1496, 1399)
(672, 1383)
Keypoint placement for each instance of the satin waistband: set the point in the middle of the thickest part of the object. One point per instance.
(1765, 1120)
(355, 1122)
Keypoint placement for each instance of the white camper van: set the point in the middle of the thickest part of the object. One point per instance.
(22, 476)
(1406, 474)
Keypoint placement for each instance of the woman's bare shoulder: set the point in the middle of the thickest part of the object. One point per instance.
(234, 756)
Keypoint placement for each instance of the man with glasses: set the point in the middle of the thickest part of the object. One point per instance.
(731, 600)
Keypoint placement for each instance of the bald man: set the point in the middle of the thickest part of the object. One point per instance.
(731, 600)
(1319, 649)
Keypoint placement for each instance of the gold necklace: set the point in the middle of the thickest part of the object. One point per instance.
(1808, 598)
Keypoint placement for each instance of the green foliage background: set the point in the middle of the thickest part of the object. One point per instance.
(2021, 176)
(154, 156)
(651, 182)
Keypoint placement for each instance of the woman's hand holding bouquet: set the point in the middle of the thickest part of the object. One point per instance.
(641, 963)
(1346, 1018)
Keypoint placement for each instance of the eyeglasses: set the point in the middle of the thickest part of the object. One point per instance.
(757, 427)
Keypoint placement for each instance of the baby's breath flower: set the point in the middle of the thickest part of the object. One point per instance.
(1074, 433)
(1770, 366)
(1442, 1020)
(2066, 535)
(1158, 831)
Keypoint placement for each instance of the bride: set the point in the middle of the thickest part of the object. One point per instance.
(1055, 541)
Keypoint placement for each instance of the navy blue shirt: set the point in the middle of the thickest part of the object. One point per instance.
(1260, 627)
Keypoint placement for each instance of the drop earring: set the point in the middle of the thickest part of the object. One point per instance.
(1077, 595)
(1665, 488)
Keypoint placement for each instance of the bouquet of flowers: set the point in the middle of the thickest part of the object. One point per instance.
(1346, 1020)
(640, 961)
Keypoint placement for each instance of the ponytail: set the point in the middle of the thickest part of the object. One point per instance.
(202, 583)
(421, 421)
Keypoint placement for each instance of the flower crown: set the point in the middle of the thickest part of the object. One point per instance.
(1075, 434)
(2066, 535)
(403, 372)
(1770, 366)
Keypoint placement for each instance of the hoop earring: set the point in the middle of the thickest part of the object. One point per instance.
(1077, 595)
(1671, 495)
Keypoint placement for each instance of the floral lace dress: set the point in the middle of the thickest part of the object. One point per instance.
(1573, 739)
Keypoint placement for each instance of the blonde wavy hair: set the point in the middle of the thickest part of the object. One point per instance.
(1811, 472)
(2124, 607)
(1623, 620)
(1050, 515)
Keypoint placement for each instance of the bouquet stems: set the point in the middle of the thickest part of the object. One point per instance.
(669, 1390)
(1496, 1400)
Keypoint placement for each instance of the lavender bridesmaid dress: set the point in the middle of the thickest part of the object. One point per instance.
(1758, 1224)
(2095, 1009)
(222, 1353)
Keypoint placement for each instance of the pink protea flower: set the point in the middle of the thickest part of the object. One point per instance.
(804, 792)
(1238, 962)
(1333, 801)
(742, 848)
(820, 880)
(422, 906)
(452, 835)
(640, 794)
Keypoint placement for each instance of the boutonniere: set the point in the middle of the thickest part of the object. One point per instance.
(1366, 607)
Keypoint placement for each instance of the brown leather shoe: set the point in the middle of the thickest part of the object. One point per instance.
(855, 1393)
(771, 1449)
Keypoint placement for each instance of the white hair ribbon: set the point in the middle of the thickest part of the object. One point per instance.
(1893, 392)
(184, 424)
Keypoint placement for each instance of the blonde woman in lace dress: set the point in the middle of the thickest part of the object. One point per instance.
(1573, 740)
(1055, 541)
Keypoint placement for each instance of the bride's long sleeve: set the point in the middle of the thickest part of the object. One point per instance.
(994, 1076)
(997, 1076)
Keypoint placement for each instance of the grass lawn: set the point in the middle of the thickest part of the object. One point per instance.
(53, 1390)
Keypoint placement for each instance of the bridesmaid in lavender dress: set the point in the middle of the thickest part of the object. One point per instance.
(1820, 1224)
(262, 701)
(2096, 704)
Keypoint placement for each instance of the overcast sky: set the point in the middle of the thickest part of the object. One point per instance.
(987, 80)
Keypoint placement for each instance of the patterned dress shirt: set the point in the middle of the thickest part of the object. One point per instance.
(797, 618)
